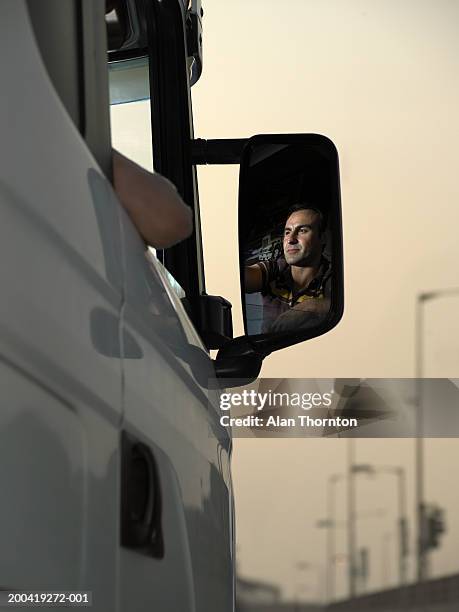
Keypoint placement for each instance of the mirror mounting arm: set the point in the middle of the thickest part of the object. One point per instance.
(218, 151)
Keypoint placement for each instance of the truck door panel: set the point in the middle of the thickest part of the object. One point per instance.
(43, 474)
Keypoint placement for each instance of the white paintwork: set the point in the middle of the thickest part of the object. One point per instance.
(167, 407)
(76, 290)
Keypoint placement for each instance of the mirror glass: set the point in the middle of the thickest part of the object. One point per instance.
(290, 236)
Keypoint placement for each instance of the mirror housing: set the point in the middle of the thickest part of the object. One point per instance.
(290, 247)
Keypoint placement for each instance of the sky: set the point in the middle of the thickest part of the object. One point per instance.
(378, 77)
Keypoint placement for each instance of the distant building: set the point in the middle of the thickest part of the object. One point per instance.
(256, 596)
(250, 593)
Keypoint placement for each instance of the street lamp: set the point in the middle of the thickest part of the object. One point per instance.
(352, 535)
(399, 473)
(422, 548)
(353, 469)
(330, 524)
(351, 531)
(332, 556)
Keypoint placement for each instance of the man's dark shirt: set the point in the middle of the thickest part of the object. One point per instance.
(279, 296)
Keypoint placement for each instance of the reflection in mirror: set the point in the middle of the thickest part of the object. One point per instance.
(290, 214)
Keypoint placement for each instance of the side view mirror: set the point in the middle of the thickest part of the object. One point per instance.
(290, 245)
(290, 239)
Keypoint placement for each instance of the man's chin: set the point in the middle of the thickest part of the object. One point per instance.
(299, 262)
(293, 260)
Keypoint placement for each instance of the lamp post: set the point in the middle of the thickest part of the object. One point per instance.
(332, 556)
(333, 479)
(399, 473)
(330, 525)
(351, 539)
(421, 300)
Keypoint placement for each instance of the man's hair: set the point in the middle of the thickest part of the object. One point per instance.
(305, 206)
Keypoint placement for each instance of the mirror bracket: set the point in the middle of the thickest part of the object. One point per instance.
(239, 361)
(217, 151)
(216, 329)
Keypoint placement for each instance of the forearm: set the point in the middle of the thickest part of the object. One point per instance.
(152, 202)
(253, 278)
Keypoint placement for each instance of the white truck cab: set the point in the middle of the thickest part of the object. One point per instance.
(115, 468)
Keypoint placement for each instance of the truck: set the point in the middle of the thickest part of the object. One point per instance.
(115, 467)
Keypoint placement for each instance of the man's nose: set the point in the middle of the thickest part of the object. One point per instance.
(292, 238)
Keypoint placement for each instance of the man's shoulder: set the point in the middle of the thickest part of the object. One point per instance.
(273, 270)
(274, 266)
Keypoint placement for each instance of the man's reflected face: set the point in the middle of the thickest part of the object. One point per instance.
(303, 243)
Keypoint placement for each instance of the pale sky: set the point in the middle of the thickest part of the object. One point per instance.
(378, 77)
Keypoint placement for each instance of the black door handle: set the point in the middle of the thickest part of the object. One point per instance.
(140, 498)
